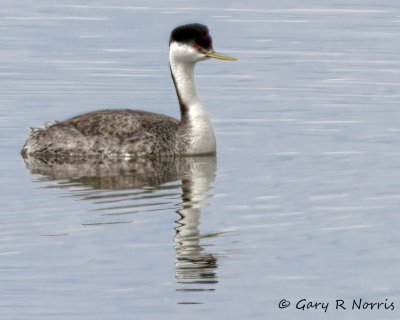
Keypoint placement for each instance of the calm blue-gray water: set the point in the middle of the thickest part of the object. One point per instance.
(302, 200)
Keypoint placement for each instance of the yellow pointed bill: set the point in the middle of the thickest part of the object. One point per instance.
(215, 55)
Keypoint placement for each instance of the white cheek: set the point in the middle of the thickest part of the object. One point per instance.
(185, 53)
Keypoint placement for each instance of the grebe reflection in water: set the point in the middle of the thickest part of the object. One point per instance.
(147, 185)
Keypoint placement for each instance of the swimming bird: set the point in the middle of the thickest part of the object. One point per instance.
(134, 133)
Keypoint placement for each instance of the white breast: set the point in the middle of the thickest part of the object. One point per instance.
(202, 138)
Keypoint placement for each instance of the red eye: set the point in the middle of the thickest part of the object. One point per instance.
(196, 46)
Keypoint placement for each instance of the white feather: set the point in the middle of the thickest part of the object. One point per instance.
(183, 59)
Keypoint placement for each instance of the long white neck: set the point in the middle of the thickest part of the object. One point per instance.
(183, 74)
(198, 130)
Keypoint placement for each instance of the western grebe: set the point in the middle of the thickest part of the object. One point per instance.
(141, 133)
